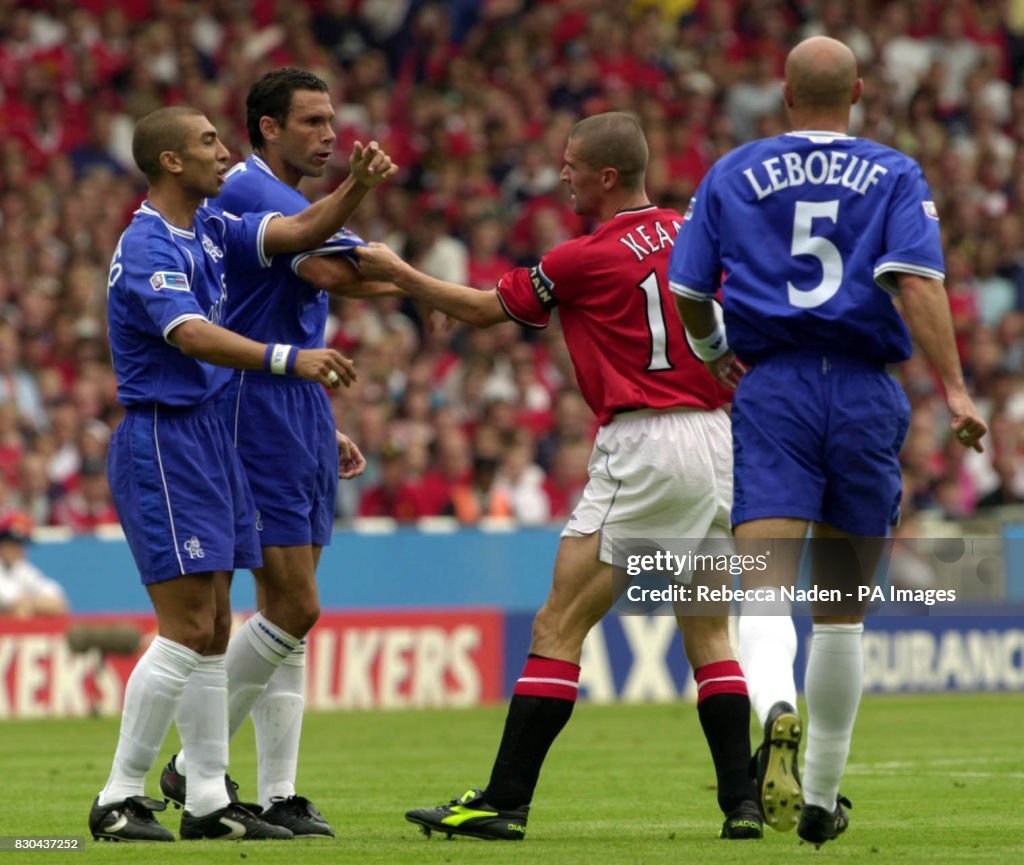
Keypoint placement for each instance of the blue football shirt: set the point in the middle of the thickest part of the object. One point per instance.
(277, 305)
(805, 233)
(161, 276)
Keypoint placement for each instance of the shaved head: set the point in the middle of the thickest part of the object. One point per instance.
(821, 74)
(158, 132)
(613, 140)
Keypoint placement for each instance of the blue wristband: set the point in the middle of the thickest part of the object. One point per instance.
(293, 356)
(267, 355)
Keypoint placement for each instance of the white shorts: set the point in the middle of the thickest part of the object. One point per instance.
(657, 474)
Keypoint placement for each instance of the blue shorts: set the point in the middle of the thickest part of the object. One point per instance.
(285, 433)
(181, 493)
(818, 438)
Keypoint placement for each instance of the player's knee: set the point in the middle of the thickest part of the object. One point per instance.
(221, 632)
(306, 614)
(294, 615)
(195, 632)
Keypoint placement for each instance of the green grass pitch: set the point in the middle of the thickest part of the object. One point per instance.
(933, 779)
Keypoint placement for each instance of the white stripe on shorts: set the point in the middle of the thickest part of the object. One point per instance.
(167, 493)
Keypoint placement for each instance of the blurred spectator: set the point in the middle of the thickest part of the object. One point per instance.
(1011, 484)
(18, 386)
(453, 467)
(487, 264)
(757, 95)
(24, 589)
(395, 495)
(567, 477)
(87, 505)
(521, 481)
(33, 495)
(480, 496)
(95, 152)
(573, 423)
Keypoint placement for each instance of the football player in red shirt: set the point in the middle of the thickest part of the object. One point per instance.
(661, 465)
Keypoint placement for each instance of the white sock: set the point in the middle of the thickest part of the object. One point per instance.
(767, 651)
(833, 685)
(254, 652)
(277, 717)
(202, 721)
(151, 697)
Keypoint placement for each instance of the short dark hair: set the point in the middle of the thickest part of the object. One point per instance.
(271, 96)
(614, 139)
(157, 132)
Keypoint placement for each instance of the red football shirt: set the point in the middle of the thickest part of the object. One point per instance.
(618, 315)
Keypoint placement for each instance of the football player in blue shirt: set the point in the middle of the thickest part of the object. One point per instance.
(179, 487)
(285, 434)
(818, 241)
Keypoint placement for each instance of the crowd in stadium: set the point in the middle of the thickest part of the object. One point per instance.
(473, 100)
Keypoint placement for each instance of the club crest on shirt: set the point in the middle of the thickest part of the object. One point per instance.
(930, 210)
(169, 280)
(212, 250)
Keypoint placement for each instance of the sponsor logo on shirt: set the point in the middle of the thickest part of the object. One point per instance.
(169, 280)
(930, 210)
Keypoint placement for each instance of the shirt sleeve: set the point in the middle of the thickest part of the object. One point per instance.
(695, 267)
(527, 296)
(244, 239)
(160, 278)
(912, 239)
(342, 243)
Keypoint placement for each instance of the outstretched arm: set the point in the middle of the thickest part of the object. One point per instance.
(217, 345)
(370, 167)
(334, 274)
(475, 307)
(925, 309)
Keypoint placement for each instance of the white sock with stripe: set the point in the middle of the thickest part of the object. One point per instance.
(151, 698)
(255, 651)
